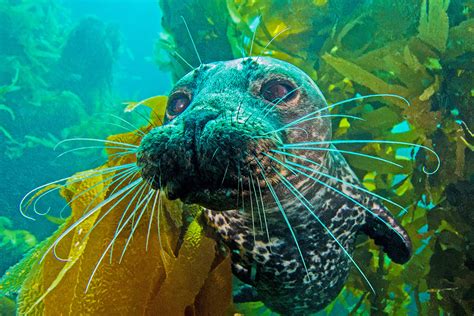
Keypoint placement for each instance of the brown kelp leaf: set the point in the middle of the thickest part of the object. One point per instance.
(461, 39)
(434, 23)
(215, 295)
(364, 78)
(187, 273)
(103, 270)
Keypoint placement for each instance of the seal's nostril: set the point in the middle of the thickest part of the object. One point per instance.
(199, 119)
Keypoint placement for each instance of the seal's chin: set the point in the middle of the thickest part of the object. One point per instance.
(218, 195)
(221, 199)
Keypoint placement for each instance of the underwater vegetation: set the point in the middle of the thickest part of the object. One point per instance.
(45, 83)
(422, 51)
(142, 273)
(13, 243)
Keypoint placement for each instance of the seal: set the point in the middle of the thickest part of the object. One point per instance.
(250, 141)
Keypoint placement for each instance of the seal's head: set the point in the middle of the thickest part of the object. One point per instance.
(220, 120)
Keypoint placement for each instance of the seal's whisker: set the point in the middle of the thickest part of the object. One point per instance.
(139, 192)
(252, 214)
(268, 44)
(242, 192)
(72, 179)
(282, 211)
(110, 209)
(288, 126)
(183, 59)
(107, 250)
(95, 140)
(129, 176)
(355, 186)
(150, 221)
(84, 217)
(256, 201)
(363, 97)
(307, 204)
(133, 128)
(87, 215)
(126, 150)
(192, 41)
(239, 179)
(298, 157)
(347, 197)
(120, 175)
(259, 20)
(158, 223)
(126, 129)
(354, 153)
(374, 141)
(311, 114)
(146, 200)
(147, 119)
(225, 172)
(263, 212)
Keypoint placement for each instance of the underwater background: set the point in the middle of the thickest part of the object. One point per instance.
(72, 69)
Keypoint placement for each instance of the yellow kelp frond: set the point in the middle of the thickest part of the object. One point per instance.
(124, 249)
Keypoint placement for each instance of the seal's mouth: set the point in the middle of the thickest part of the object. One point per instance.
(214, 168)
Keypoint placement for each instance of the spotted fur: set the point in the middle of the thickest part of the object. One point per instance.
(201, 154)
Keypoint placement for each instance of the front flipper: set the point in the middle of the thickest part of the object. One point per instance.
(392, 237)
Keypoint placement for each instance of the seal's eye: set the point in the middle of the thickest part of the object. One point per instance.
(177, 104)
(277, 91)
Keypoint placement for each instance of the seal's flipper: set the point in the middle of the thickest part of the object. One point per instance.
(394, 239)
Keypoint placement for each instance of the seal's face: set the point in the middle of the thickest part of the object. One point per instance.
(221, 119)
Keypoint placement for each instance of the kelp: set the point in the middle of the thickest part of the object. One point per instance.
(13, 243)
(420, 50)
(171, 269)
(48, 92)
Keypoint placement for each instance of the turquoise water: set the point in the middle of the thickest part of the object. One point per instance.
(68, 69)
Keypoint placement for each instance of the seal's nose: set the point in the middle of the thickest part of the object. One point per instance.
(197, 120)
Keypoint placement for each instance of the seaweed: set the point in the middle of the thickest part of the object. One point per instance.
(13, 243)
(422, 51)
(148, 278)
(49, 92)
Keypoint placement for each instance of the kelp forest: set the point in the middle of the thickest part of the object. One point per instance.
(422, 51)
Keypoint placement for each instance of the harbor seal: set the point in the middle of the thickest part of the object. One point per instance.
(289, 215)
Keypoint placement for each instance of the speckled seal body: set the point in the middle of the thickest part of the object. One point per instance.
(290, 232)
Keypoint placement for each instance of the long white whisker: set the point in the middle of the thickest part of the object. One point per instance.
(120, 174)
(263, 211)
(73, 179)
(126, 150)
(139, 192)
(192, 41)
(252, 213)
(354, 153)
(94, 140)
(145, 200)
(355, 186)
(372, 141)
(346, 196)
(308, 206)
(311, 114)
(87, 215)
(268, 44)
(282, 211)
(135, 128)
(150, 222)
(107, 249)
